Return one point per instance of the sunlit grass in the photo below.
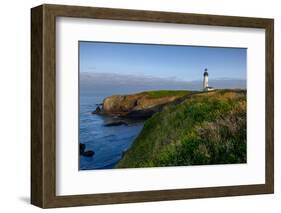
(166, 93)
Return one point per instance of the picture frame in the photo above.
(43, 105)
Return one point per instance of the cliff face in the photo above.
(138, 106)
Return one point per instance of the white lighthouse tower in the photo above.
(205, 81)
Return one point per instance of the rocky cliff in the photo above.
(141, 105)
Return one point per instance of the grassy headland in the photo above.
(206, 128)
(140, 105)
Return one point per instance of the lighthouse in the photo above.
(206, 81)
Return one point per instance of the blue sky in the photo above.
(166, 61)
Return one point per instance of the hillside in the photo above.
(205, 128)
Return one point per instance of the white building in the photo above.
(206, 81)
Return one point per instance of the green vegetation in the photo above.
(207, 128)
(166, 93)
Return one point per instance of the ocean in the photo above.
(108, 142)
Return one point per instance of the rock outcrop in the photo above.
(116, 123)
(83, 152)
(136, 106)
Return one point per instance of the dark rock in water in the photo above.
(97, 111)
(82, 148)
(116, 123)
(88, 153)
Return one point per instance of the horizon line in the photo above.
(174, 78)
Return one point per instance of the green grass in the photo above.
(207, 128)
(166, 93)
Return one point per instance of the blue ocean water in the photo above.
(108, 143)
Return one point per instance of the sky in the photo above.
(177, 62)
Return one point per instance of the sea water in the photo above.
(108, 142)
